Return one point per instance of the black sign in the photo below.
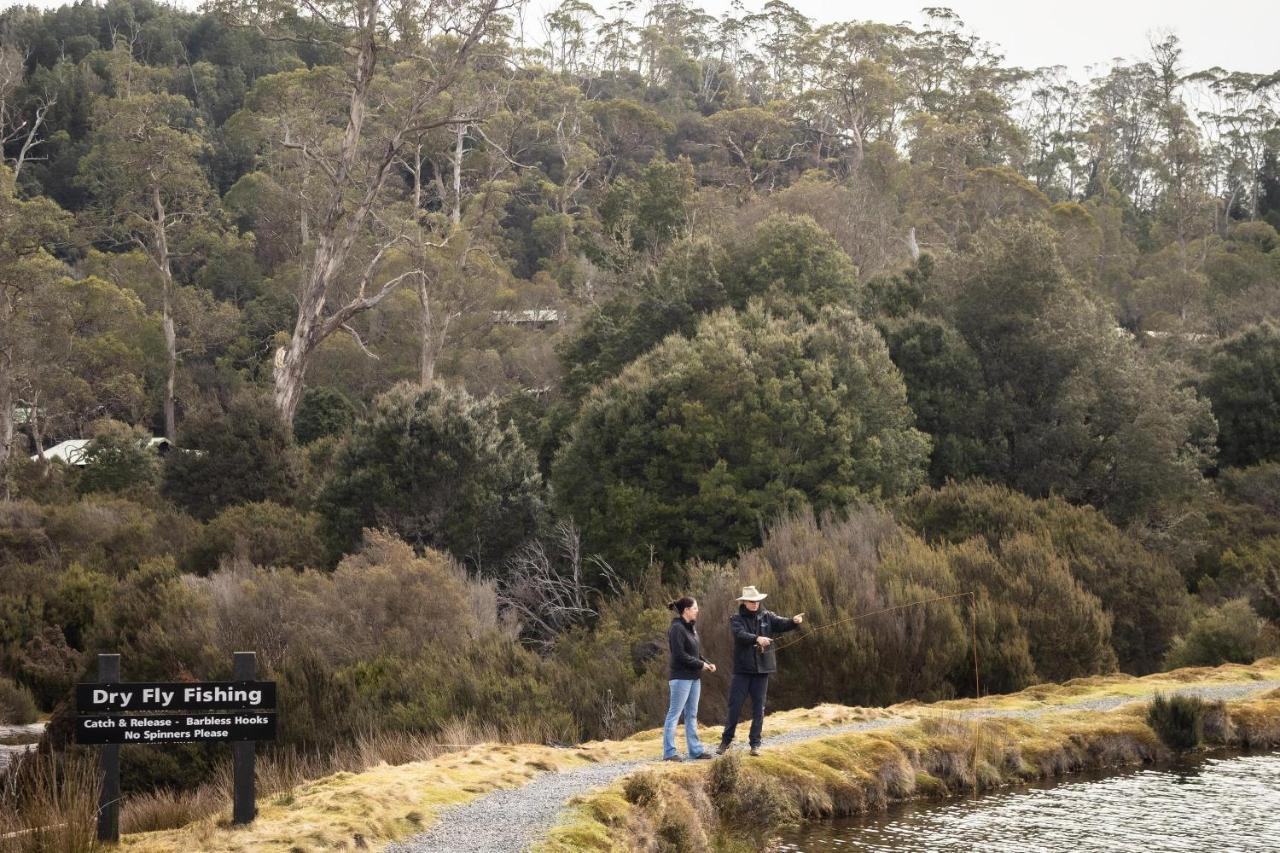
(177, 728)
(151, 696)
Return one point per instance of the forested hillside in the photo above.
(476, 338)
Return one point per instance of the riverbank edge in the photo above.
(738, 802)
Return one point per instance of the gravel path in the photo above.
(511, 820)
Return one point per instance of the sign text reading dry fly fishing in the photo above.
(143, 696)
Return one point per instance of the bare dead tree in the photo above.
(548, 591)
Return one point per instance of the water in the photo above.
(1217, 804)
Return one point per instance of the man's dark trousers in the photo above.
(739, 688)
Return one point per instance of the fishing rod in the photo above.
(973, 612)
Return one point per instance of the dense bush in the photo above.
(1177, 720)
(263, 533)
(1229, 633)
(119, 460)
(439, 469)
(698, 441)
(789, 263)
(322, 412)
(1143, 594)
(230, 457)
(1052, 400)
(1244, 387)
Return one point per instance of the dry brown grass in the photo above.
(49, 804)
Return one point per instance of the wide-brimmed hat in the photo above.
(750, 593)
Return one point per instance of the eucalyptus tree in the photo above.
(27, 230)
(145, 176)
(857, 95)
(366, 121)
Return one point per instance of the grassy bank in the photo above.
(737, 802)
(933, 753)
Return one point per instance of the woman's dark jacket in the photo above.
(686, 649)
(748, 659)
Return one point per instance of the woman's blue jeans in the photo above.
(684, 698)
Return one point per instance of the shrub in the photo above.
(1229, 633)
(263, 533)
(17, 705)
(439, 469)
(118, 459)
(1142, 592)
(1177, 720)
(1244, 389)
(113, 534)
(322, 412)
(228, 458)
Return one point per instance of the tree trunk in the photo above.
(6, 392)
(457, 174)
(34, 420)
(427, 350)
(337, 233)
(161, 249)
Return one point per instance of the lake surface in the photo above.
(1216, 804)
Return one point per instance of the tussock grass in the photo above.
(48, 803)
(1177, 720)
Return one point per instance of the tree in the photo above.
(437, 468)
(145, 176)
(788, 262)
(1073, 407)
(27, 229)
(699, 442)
(432, 42)
(1243, 386)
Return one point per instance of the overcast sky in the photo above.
(1239, 34)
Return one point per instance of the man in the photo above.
(754, 658)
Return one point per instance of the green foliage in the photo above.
(1143, 594)
(1071, 407)
(1177, 720)
(17, 705)
(700, 441)
(262, 533)
(789, 263)
(1244, 388)
(1229, 633)
(322, 412)
(224, 458)
(438, 469)
(648, 213)
(118, 459)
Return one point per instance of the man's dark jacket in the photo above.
(686, 649)
(746, 626)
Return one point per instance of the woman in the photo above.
(687, 666)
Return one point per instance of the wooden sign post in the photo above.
(111, 712)
(109, 758)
